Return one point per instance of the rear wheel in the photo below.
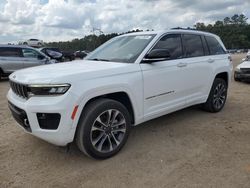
(103, 128)
(217, 96)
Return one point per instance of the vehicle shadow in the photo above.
(143, 133)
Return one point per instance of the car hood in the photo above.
(68, 72)
(245, 64)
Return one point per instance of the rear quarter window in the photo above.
(10, 52)
(214, 46)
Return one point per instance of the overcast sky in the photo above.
(54, 20)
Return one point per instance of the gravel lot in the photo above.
(189, 148)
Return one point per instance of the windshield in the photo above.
(124, 49)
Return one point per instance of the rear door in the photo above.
(10, 59)
(198, 67)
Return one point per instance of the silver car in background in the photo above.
(13, 57)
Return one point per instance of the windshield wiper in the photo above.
(98, 59)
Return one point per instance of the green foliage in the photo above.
(234, 31)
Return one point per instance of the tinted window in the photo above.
(172, 43)
(204, 42)
(29, 53)
(193, 45)
(10, 52)
(214, 46)
(54, 49)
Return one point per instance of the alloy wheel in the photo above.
(219, 97)
(108, 130)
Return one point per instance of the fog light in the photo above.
(48, 120)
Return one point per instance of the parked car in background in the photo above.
(32, 42)
(13, 57)
(53, 53)
(232, 51)
(131, 79)
(81, 54)
(56, 53)
(248, 54)
(242, 71)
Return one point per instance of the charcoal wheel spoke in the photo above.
(94, 142)
(100, 145)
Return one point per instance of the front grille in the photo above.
(19, 89)
(245, 70)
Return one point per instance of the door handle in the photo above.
(181, 64)
(210, 60)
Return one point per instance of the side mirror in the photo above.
(40, 57)
(157, 55)
(244, 59)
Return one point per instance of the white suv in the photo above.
(129, 80)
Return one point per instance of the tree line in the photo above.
(234, 32)
(87, 43)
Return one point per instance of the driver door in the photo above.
(165, 82)
(31, 58)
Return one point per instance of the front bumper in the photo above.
(26, 113)
(242, 76)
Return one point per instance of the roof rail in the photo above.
(181, 28)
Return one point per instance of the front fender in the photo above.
(104, 90)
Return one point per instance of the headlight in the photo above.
(58, 89)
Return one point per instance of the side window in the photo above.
(204, 42)
(10, 52)
(172, 43)
(214, 46)
(29, 53)
(192, 45)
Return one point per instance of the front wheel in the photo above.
(103, 128)
(236, 79)
(217, 96)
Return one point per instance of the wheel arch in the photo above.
(224, 76)
(121, 96)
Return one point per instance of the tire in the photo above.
(25, 43)
(236, 79)
(217, 96)
(1, 74)
(97, 138)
